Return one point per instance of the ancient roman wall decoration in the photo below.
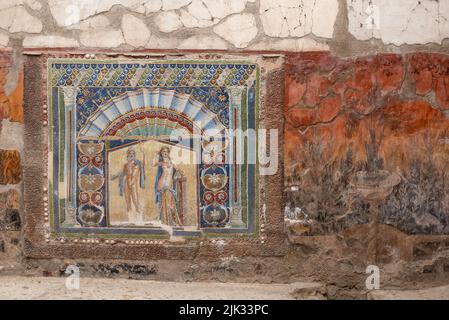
(128, 150)
(367, 141)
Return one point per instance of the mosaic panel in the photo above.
(133, 154)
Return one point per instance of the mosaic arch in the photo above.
(127, 158)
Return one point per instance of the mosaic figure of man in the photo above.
(131, 179)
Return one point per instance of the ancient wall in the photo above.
(366, 156)
(11, 148)
(364, 140)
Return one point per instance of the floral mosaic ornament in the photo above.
(129, 153)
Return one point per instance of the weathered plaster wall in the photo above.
(346, 28)
(377, 119)
(366, 148)
(291, 25)
(11, 143)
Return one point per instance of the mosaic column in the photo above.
(235, 95)
(69, 183)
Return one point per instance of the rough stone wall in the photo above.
(346, 28)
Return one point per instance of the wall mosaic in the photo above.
(129, 151)
(367, 141)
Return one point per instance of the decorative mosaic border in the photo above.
(104, 73)
(126, 75)
(267, 240)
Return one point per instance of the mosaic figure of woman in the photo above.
(167, 188)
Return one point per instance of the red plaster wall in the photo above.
(383, 113)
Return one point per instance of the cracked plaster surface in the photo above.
(399, 22)
(297, 18)
(305, 24)
(17, 19)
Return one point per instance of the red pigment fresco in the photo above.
(377, 123)
(11, 106)
(10, 110)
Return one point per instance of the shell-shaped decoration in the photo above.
(90, 216)
(215, 215)
(90, 182)
(214, 178)
(90, 148)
